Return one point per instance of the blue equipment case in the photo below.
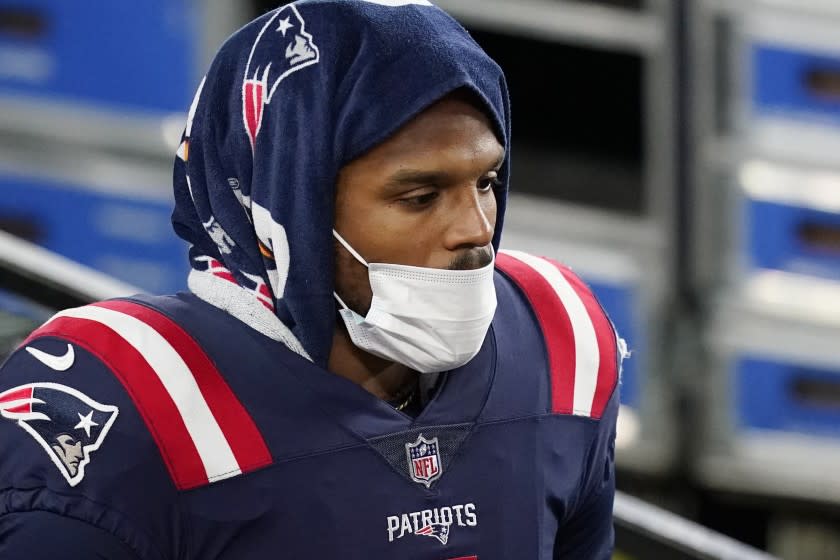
(122, 55)
(785, 396)
(788, 219)
(114, 222)
(787, 74)
(795, 83)
(772, 422)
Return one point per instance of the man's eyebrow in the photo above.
(500, 161)
(416, 177)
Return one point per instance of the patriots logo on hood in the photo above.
(253, 283)
(68, 424)
(282, 48)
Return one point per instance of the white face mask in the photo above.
(428, 319)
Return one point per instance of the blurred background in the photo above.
(682, 155)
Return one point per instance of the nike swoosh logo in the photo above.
(58, 363)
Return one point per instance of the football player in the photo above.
(356, 370)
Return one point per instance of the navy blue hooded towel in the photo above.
(289, 99)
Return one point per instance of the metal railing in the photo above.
(51, 280)
(644, 531)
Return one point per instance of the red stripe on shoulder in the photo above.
(246, 441)
(607, 343)
(555, 325)
(142, 384)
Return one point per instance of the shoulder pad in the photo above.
(580, 341)
(202, 430)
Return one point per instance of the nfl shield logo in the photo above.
(424, 464)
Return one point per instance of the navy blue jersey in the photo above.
(164, 428)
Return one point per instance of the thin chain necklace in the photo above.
(410, 397)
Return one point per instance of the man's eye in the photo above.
(489, 183)
(420, 201)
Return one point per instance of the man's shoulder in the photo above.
(120, 387)
(551, 322)
(85, 426)
(116, 413)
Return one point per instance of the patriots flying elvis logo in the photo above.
(440, 531)
(68, 424)
(282, 48)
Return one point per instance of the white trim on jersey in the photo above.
(207, 436)
(587, 355)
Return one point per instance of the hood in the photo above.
(289, 99)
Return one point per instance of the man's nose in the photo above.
(473, 220)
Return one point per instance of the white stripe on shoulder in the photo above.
(587, 356)
(176, 377)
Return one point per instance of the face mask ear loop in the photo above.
(340, 301)
(350, 249)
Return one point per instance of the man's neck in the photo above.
(382, 378)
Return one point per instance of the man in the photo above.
(354, 373)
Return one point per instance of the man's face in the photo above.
(424, 197)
